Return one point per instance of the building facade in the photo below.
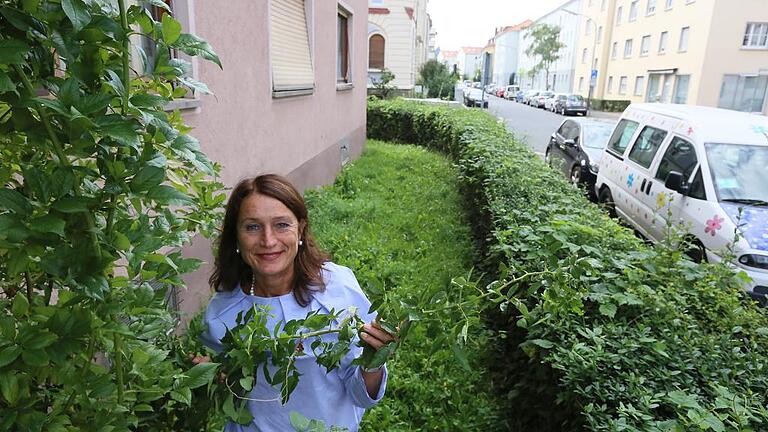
(561, 71)
(703, 52)
(449, 59)
(290, 101)
(398, 40)
(507, 41)
(470, 61)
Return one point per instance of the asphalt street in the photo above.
(531, 125)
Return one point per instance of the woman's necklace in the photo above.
(253, 284)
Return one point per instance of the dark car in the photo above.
(476, 97)
(571, 104)
(519, 96)
(576, 148)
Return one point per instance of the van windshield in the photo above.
(738, 172)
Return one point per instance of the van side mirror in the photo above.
(676, 183)
(569, 142)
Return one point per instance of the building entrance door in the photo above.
(653, 88)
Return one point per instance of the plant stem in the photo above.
(118, 341)
(126, 55)
(28, 282)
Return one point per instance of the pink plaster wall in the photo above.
(247, 131)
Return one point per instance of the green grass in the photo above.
(396, 215)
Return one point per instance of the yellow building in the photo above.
(702, 52)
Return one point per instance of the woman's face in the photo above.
(268, 236)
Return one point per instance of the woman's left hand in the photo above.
(375, 336)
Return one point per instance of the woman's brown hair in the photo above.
(229, 267)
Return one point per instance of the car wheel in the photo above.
(548, 156)
(606, 199)
(576, 175)
(695, 250)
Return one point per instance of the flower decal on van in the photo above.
(661, 200)
(630, 180)
(713, 225)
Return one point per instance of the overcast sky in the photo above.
(471, 22)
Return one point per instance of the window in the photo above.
(645, 45)
(618, 15)
(289, 49)
(623, 85)
(683, 45)
(603, 4)
(609, 86)
(621, 136)
(584, 55)
(681, 89)
(663, 42)
(599, 34)
(646, 145)
(680, 156)
(588, 27)
(376, 45)
(639, 85)
(628, 48)
(650, 8)
(581, 83)
(668, 5)
(569, 130)
(743, 92)
(696, 189)
(633, 10)
(756, 36)
(614, 49)
(342, 52)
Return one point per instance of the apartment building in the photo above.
(703, 52)
(450, 59)
(469, 61)
(398, 40)
(562, 71)
(506, 53)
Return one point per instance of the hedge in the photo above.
(609, 105)
(603, 332)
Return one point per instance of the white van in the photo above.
(706, 167)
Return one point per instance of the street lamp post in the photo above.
(592, 65)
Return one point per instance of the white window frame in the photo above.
(685, 36)
(584, 55)
(628, 48)
(668, 4)
(588, 27)
(663, 39)
(614, 50)
(346, 11)
(280, 91)
(754, 32)
(623, 85)
(581, 83)
(633, 10)
(645, 45)
(603, 5)
(619, 11)
(650, 7)
(640, 79)
(609, 85)
(599, 34)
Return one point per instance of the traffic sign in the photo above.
(594, 74)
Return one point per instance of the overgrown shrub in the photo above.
(605, 333)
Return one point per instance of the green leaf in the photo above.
(77, 12)
(146, 178)
(73, 204)
(14, 201)
(48, 224)
(146, 100)
(6, 84)
(200, 375)
(608, 309)
(20, 305)
(171, 29)
(298, 421)
(12, 51)
(195, 85)
(9, 354)
(168, 195)
(35, 358)
(183, 395)
(122, 130)
(9, 387)
(543, 343)
(40, 340)
(194, 46)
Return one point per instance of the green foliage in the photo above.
(609, 105)
(100, 188)
(603, 332)
(546, 45)
(435, 76)
(382, 84)
(395, 217)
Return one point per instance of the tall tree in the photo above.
(435, 76)
(546, 46)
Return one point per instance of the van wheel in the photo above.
(548, 157)
(576, 175)
(695, 250)
(606, 199)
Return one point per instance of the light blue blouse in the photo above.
(337, 398)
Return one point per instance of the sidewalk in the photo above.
(604, 115)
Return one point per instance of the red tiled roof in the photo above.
(517, 27)
(471, 50)
(378, 11)
(409, 11)
(447, 53)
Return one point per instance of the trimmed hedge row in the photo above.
(609, 105)
(601, 332)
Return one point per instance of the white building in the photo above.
(470, 60)
(562, 71)
(505, 67)
(449, 59)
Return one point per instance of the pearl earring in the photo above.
(237, 249)
(301, 242)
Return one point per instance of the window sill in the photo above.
(344, 86)
(754, 48)
(650, 13)
(183, 104)
(291, 93)
(644, 55)
(662, 52)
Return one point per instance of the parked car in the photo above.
(572, 104)
(528, 95)
(510, 91)
(476, 97)
(704, 167)
(576, 148)
(519, 96)
(500, 92)
(549, 103)
(538, 100)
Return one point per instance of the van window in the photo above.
(621, 136)
(569, 130)
(680, 156)
(696, 190)
(646, 145)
